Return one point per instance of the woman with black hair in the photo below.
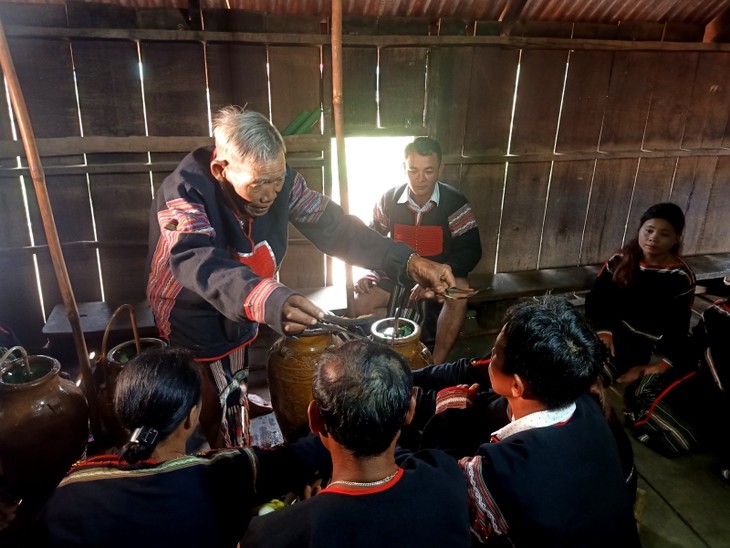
(641, 303)
(153, 494)
(641, 306)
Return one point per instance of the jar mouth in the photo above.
(16, 374)
(385, 330)
(122, 353)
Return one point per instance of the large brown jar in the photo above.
(289, 371)
(44, 425)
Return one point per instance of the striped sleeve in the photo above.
(305, 205)
(462, 221)
(487, 520)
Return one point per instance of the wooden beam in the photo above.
(64, 146)
(358, 40)
(718, 30)
(510, 15)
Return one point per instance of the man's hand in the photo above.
(639, 371)
(364, 285)
(607, 339)
(298, 314)
(434, 278)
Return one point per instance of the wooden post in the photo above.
(49, 225)
(337, 104)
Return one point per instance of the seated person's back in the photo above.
(551, 476)
(362, 397)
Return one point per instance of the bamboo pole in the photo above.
(49, 225)
(337, 104)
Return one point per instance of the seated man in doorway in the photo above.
(436, 220)
(362, 397)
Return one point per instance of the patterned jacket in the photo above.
(212, 275)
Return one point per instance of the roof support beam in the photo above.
(510, 15)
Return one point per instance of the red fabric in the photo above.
(428, 241)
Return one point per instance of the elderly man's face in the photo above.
(257, 184)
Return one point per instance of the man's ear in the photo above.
(411, 406)
(517, 387)
(216, 168)
(316, 423)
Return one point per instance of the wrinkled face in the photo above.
(656, 238)
(423, 173)
(257, 184)
(501, 382)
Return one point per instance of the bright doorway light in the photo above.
(374, 164)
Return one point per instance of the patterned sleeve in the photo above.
(466, 248)
(343, 236)
(487, 520)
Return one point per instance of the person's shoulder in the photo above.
(452, 192)
(430, 461)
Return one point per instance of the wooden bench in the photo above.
(503, 288)
(499, 291)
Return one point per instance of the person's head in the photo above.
(546, 352)
(657, 241)
(423, 167)
(155, 392)
(660, 230)
(361, 396)
(249, 157)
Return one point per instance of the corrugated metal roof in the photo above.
(694, 12)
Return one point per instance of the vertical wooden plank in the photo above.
(613, 183)
(69, 197)
(629, 96)
(237, 76)
(20, 306)
(359, 87)
(537, 105)
(584, 101)
(483, 185)
(295, 82)
(402, 87)
(691, 191)
(174, 88)
(45, 73)
(110, 94)
(567, 205)
(19, 301)
(707, 118)
(522, 216)
(110, 101)
(448, 84)
(121, 204)
(717, 221)
(653, 185)
(672, 81)
(491, 94)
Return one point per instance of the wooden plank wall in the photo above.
(558, 145)
(596, 137)
(102, 211)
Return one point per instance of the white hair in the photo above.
(246, 136)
